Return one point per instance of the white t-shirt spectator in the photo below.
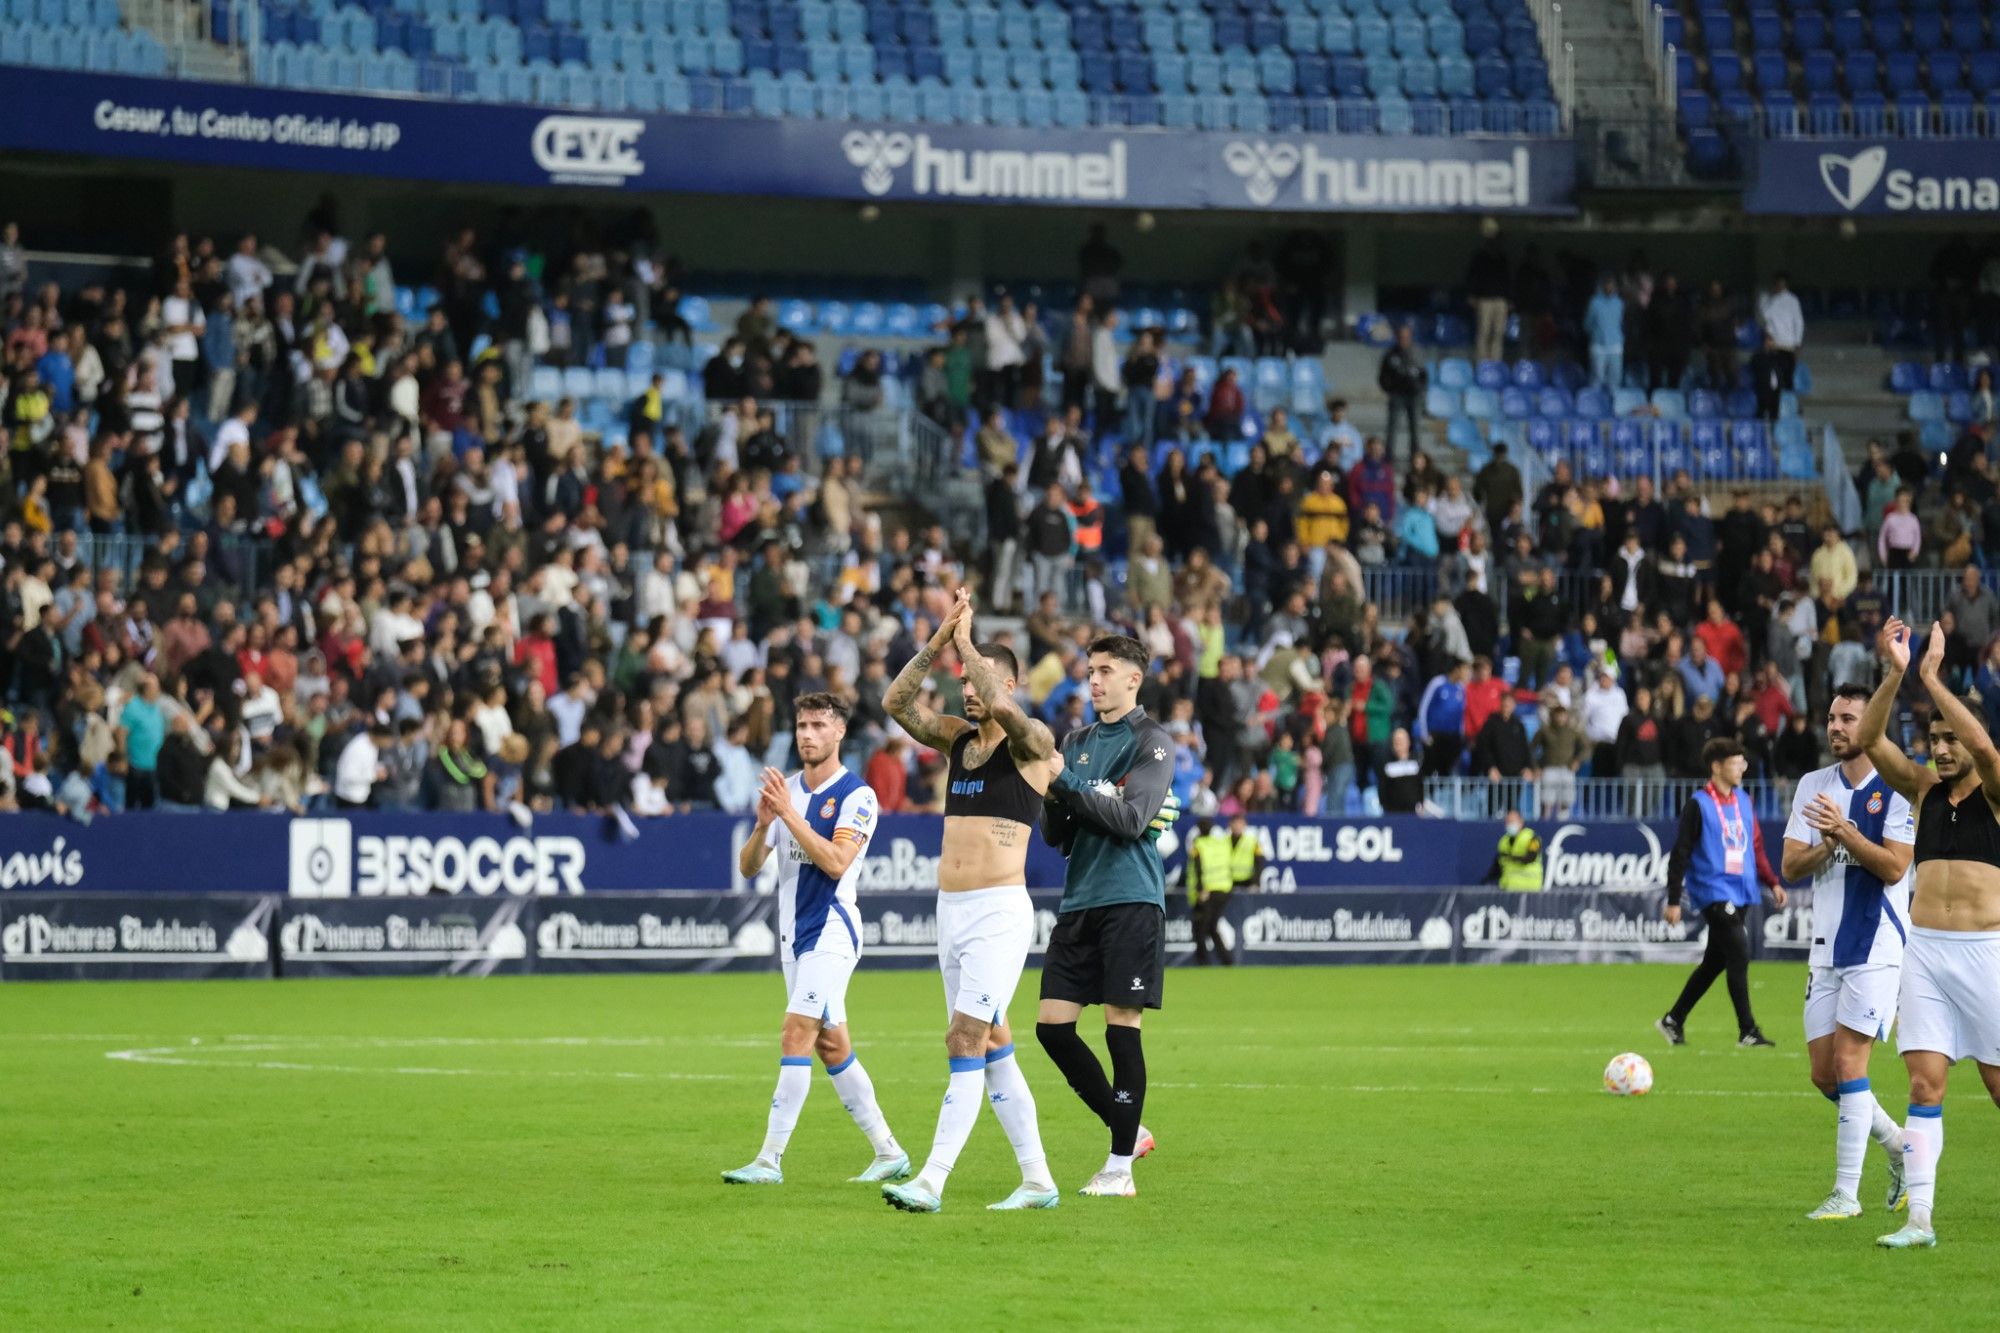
(1604, 709)
(354, 772)
(232, 431)
(1783, 319)
(649, 796)
(248, 277)
(261, 713)
(175, 310)
(618, 317)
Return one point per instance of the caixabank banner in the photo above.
(287, 129)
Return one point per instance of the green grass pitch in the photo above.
(1339, 1148)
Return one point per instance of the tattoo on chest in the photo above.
(977, 754)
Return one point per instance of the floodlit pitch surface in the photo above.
(1357, 1147)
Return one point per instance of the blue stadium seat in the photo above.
(1481, 403)
(1454, 373)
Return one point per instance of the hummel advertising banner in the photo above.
(1912, 178)
(290, 130)
(566, 857)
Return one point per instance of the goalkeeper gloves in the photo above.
(1170, 812)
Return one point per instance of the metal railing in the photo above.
(243, 565)
(1919, 596)
(1661, 55)
(1559, 54)
(1648, 798)
(1868, 122)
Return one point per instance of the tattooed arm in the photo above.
(1027, 739)
(927, 726)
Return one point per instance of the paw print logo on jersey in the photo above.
(812, 997)
(878, 154)
(1159, 753)
(1263, 166)
(1138, 983)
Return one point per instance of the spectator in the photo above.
(1558, 754)
(1670, 335)
(1901, 539)
(1604, 327)
(1488, 283)
(1051, 543)
(1723, 641)
(1502, 749)
(1402, 378)
(1604, 711)
(1441, 719)
(1974, 612)
(1498, 489)
(1768, 371)
(1401, 789)
(183, 768)
(1716, 319)
(1833, 563)
(1784, 323)
(1003, 536)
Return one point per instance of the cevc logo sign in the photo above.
(1850, 180)
(588, 150)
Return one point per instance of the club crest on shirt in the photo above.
(1875, 803)
(826, 811)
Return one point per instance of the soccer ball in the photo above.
(1628, 1075)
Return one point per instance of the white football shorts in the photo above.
(1861, 999)
(983, 941)
(816, 986)
(1951, 994)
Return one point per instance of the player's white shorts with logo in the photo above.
(983, 941)
(1862, 999)
(816, 986)
(1951, 994)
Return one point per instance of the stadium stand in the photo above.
(1421, 66)
(1912, 71)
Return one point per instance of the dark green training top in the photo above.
(1115, 778)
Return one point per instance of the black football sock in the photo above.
(1079, 1065)
(1128, 1087)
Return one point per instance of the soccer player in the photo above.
(1001, 760)
(819, 822)
(1950, 1002)
(1718, 859)
(1853, 837)
(1109, 945)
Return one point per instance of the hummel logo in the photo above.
(878, 155)
(1263, 167)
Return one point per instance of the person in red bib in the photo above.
(1718, 864)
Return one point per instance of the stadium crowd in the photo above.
(374, 573)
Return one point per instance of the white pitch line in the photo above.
(179, 1056)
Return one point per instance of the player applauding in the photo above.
(1000, 763)
(1950, 1002)
(819, 822)
(1853, 836)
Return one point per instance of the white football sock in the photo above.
(1887, 1133)
(1007, 1091)
(1923, 1144)
(1116, 1163)
(857, 1095)
(956, 1117)
(794, 1082)
(1857, 1104)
